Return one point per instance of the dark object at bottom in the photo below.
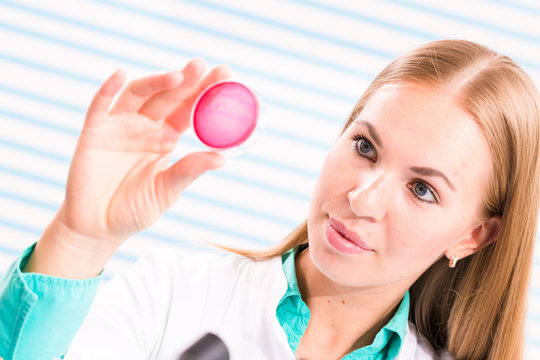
(209, 347)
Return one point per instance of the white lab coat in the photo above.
(170, 299)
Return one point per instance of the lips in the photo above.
(347, 234)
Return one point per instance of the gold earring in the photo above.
(453, 261)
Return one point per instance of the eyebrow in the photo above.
(372, 131)
(426, 171)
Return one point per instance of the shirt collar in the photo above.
(390, 338)
(289, 268)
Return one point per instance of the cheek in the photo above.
(332, 178)
(415, 235)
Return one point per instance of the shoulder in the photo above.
(165, 281)
(171, 260)
(206, 267)
(178, 258)
(417, 347)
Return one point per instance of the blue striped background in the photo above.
(308, 60)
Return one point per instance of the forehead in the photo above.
(419, 108)
(428, 127)
(421, 112)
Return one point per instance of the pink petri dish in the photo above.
(225, 115)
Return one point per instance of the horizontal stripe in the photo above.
(220, 174)
(240, 209)
(199, 26)
(32, 176)
(35, 151)
(45, 68)
(208, 225)
(185, 219)
(37, 233)
(9, 250)
(122, 255)
(468, 20)
(533, 342)
(79, 46)
(187, 195)
(428, 36)
(359, 16)
(42, 98)
(253, 158)
(97, 83)
(29, 201)
(516, 5)
(38, 122)
(298, 139)
(533, 317)
(22, 227)
(293, 28)
(147, 67)
(49, 101)
(153, 44)
(258, 160)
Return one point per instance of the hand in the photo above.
(120, 180)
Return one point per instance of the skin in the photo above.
(377, 195)
(120, 180)
(122, 162)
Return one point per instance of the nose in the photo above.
(368, 198)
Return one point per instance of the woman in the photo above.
(418, 242)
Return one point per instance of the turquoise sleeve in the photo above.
(40, 314)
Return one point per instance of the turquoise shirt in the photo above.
(32, 305)
(293, 315)
(40, 314)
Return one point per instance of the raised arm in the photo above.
(119, 183)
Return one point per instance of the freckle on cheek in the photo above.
(343, 301)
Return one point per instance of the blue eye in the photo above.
(423, 192)
(365, 148)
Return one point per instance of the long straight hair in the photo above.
(477, 310)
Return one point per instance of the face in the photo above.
(403, 185)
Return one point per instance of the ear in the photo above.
(480, 237)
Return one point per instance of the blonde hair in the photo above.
(477, 310)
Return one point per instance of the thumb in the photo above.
(182, 173)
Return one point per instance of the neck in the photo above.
(346, 316)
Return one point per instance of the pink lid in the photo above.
(225, 115)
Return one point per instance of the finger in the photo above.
(101, 102)
(136, 93)
(180, 117)
(182, 173)
(164, 103)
